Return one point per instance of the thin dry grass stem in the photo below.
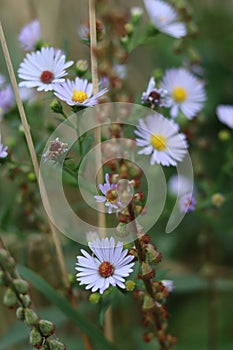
(32, 152)
(108, 327)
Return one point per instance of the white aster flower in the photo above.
(3, 149)
(225, 115)
(154, 96)
(43, 68)
(160, 138)
(30, 35)
(110, 196)
(109, 265)
(78, 92)
(164, 17)
(185, 92)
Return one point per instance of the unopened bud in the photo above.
(129, 285)
(35, 338)
(154, 257)
(56, 345)
(46, 328)
(10, 298)
(94, 298)
(20, 314)
(147, 271)
(3, 255)
(20, 285)
(136, 13)
(224, 135)
(31, 317)
(32, 177)
(26, 300)
(129, 28)
(81, 67)
(56, 106)
(217, 200)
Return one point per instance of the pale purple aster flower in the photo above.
(165, 18)
(159, 137)
(108, 265)
(185, 92)
(3, 150)
(110, 196)
(43, 68)
(7, 100)
(225, 115)
(169, 284)
(30, 35)
(187, 203)
(154, 96)
(78, 92)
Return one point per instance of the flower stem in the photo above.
(108, 329)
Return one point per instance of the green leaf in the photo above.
(93, 333)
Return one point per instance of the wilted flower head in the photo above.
(185, 92)
(30, 35)
(3, 149)
(225, 115)
(153, 96)
(165, 18)
(78, 92)
(43, 68)
(160, 138)
(108, 265)
(56, 151)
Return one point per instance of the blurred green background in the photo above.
(199, 254)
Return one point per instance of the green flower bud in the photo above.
(3, 255)
(20, 314)
(47, 328)
(26, 300)
(31, 177)
(81, 67)
(21, 129)
(10, 298)
(224, 135)
(94, 298)
(31, 317)
(35, 338)
(56, 345)
(136, 14)
(20, 285)
(129, 285)
(56, 106)
(129, 28)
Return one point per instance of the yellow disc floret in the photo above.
(79, 96)
(158, 142)
(179, 94)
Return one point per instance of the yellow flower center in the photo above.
(79, 96)
(179, 94)
(158, 142)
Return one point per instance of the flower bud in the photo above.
(154, 257)
(56, 106)
(35, 338)
(20, 285)
(56, 345)
(129, 285)
(224, 135)
(148, 303)
(81, 67)
(10, 298)
(20, 314)
(94, 298)
(129, 28)
(31, 317)
(46, 328)
(31, 177)
(26, 300)
(217, 199)
(3, 255)
(136, 14)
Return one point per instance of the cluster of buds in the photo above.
(17, 297)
